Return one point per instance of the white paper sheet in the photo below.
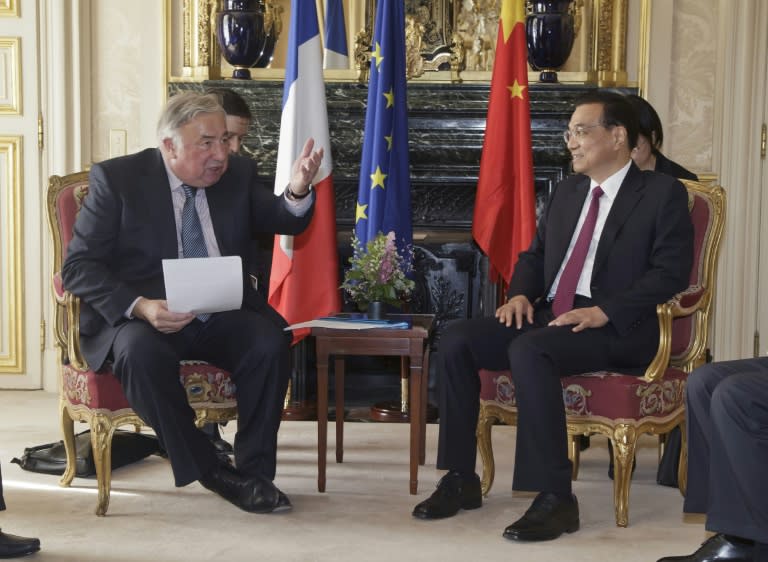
(200, 285)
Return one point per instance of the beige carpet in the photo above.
(364, 515)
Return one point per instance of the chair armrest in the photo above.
(59, 312)
(76, 358)
(686, 303)
(67, 323)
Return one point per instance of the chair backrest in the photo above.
(64, 200)
(65, 197)
(690, 333)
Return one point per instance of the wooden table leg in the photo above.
(322, 413)
(416, 418)
(338, 380)
(424, 402)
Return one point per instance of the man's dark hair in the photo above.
(617, 111)
(232, 102)
(648, 119)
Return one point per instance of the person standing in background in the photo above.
(647, 154)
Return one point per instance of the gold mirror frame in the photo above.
(440, 44)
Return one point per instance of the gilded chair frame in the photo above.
(102, 422)
(695, 302)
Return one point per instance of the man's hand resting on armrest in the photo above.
(156, 313)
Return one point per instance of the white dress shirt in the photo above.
(610, 190)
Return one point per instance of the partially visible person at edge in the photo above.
(189, 197)
(238, 119)
(726, 408)
(613, 242)
(14, 546)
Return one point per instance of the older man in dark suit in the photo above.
(13, 546)
(188, 198)
(612, 244)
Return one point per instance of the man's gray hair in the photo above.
(182, 108)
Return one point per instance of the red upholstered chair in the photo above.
(97, 397)
(622, 406)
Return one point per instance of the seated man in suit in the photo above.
(612, 243)
(188, 198)
(727, 425)
(13, 546)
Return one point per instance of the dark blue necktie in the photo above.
(192, 240)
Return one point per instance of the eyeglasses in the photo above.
(579, 132)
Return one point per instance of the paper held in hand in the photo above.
(201, 285)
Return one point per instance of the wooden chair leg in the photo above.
(574, 453)
(102, 431)
(624, 441)
(68, 431)
(483, 433)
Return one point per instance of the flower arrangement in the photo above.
(378, 272)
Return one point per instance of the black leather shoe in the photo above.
(283, 503)
(250, 493)
(548, 517)
(454, 492)
(222, 447)
(12, 546)
(715, 548)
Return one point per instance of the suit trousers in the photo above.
(727, 424)
(537, 356)
(252, 346)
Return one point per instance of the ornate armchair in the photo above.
(97, 397)
(622, 406)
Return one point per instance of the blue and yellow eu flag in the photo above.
(384, 194)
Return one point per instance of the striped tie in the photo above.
(192, 240)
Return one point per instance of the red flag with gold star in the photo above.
(505, 209)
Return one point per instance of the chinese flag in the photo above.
(505, 212)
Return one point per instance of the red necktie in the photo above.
(566, 289)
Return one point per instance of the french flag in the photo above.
(336, 52)
(304, 282)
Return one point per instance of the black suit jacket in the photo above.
(644, 255)
(127, 227)
(672, 168)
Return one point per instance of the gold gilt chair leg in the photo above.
(68, 430)
(102, 431)
(682, 469)
(574, 453)
(484, 424)
(624, 440)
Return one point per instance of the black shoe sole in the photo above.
(473, 504)
(525, 536)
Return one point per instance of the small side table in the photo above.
(410, 344)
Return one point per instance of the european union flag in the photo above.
(384, 194)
